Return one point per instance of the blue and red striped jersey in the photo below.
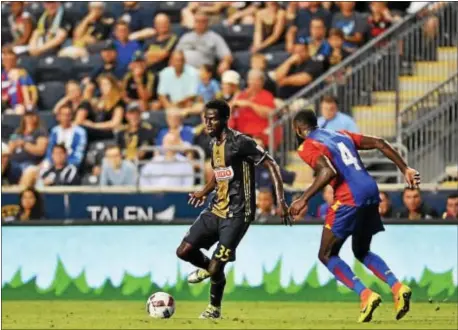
(353, 184)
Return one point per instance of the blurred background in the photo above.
(102, 101)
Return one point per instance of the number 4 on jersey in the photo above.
(347, 157)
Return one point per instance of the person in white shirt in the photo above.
(170, 169)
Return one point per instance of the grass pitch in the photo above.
(237, 315)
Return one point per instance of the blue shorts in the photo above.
(346, 220)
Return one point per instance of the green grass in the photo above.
(237, 315)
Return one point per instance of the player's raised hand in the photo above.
(284, 215)
(197, 199)
(412, 177)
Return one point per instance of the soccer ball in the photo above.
(160, 305)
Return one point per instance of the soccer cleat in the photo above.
(198, 276)
(211, 312)
(402, 301)
(369, 303)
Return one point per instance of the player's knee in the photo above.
(183, 251)
(360, 253)
(324, 256)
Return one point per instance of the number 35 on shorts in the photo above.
(222, 253)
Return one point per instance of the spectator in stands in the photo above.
(319, 48)
(296, 72)
(53, 28)
(61, 172)
(331, 118)
(110, 66)
(203, 46)
(125, 48)
(338, 53)
(301, 25)
(242, 12)
(259, 62)
(139, 84)
(72, 137)
(207, 87)
(328, 196)
(94, 27)
(265, 208)
(451, 209)
(27, 147)
(135, 134)
(30, 205)
(177, 83)
(252, 107)
(384, 208)
(20, 23)
(380, 18)
(115, 170)
(213, 9)
(269, 26)
(19, 93)
(74, 100)
(230, 86)
(134, 16)
(175, 126)
(159, 47)
(414, 207)
(7, 177)
(108, 113)
(170, 169)
(351, 23)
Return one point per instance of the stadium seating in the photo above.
(84, 66)
(172, 9)
(51, 68)
(50, 93)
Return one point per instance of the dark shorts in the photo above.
(346, 220)
(209, 229)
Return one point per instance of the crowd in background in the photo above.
(97, 84)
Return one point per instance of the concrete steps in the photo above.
(447, 54)
(436, 69)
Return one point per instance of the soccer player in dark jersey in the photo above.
(335, 159)
(229, 214)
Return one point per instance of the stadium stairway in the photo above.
(379, 118)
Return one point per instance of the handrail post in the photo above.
(397, 66)
(271, 135)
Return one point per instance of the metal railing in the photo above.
(429, 129)
(376, 83)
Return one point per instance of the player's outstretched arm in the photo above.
(198, 198)
(411, 175)
(275, 175)
(325, 172)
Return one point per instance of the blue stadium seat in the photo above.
(274, 59)
(6, 35)
(49, 93)
(51, 68)
(29, 63)
(178, 29)
(242, 62)
(48, 119)
(157, 118)
(114, 8)
(238, 37)
(84, 66)
(9, 125)
(95, 152)
(97, 47)
(76, 9)
(172, 9)
(35, 8)
(5, 13)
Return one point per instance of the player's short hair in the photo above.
(224, 111)
(307, 117)
(452, 196)
(60, 146)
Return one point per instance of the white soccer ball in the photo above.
(160, 305)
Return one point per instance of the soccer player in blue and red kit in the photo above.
(335, 159)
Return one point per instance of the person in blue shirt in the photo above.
(331, 118)
(175, 124)
(319, 48)
(208, 87)
(125, 48)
